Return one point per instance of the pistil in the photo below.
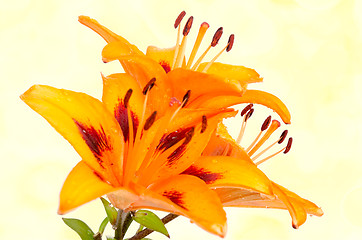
(203, 27)
(214, 42)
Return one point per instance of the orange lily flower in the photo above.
(137, 158)
(212, 84)
(222, 144)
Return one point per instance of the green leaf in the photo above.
(151, 221)
(111, 211)
(80, 227)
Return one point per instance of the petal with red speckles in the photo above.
(86, 123)
(183, 195)
(222, 171)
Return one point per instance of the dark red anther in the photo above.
(249, 114)
(230, 42)
(266, 123)
(283, 136)
(216, 37)
(179, 19)
(186, 98)
(149, 86)
(188, 26)
(189, 136)
(246, 109)
(204, 124)
(127, 97)
(289, 145)
(150, 120)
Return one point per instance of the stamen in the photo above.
(279, 141)
(285, 149)
(230, 43)
(214, 41)
(179, 19)
(188, 26)
(264, 126)
(216, 37)
(177, 24)
(181, 51)
(283, 136)
(189, 135)
(266, 123)
(149, 86)
(127, 97)
(150, 120)
(274, 125)
(231, 38)
(247, 112)
(204, 26)
(204, 124)
(186, 98)
(246, 109)
(289, 145)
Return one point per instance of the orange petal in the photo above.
(222, 144)
(107, 34)
(297, 206)
(180, 157)
(143, 69)
(310, 207)
(222, 171)
(248, 96)
(115, 88)
(85, 123)
(243, 74)
(164, 56)
(81, 186)
(187, 117)
(187, 196)
(182, 80)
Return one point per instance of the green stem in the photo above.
(147, 231)
(124, 220)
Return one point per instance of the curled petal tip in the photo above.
(220, 229)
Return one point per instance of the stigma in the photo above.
(181, 41)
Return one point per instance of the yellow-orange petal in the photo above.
(221, 143)
(164, 56)
(309, 207)
(248, 96)
(222, 171)
(107, 34)
(86, 123)
(243, 74)
(296, 211)
(187, 196)
(82, 185)
(200, 84)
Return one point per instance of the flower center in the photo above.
(178, 61)
(268, 127)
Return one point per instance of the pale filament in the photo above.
(285, 149)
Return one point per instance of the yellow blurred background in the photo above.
(308, 51)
